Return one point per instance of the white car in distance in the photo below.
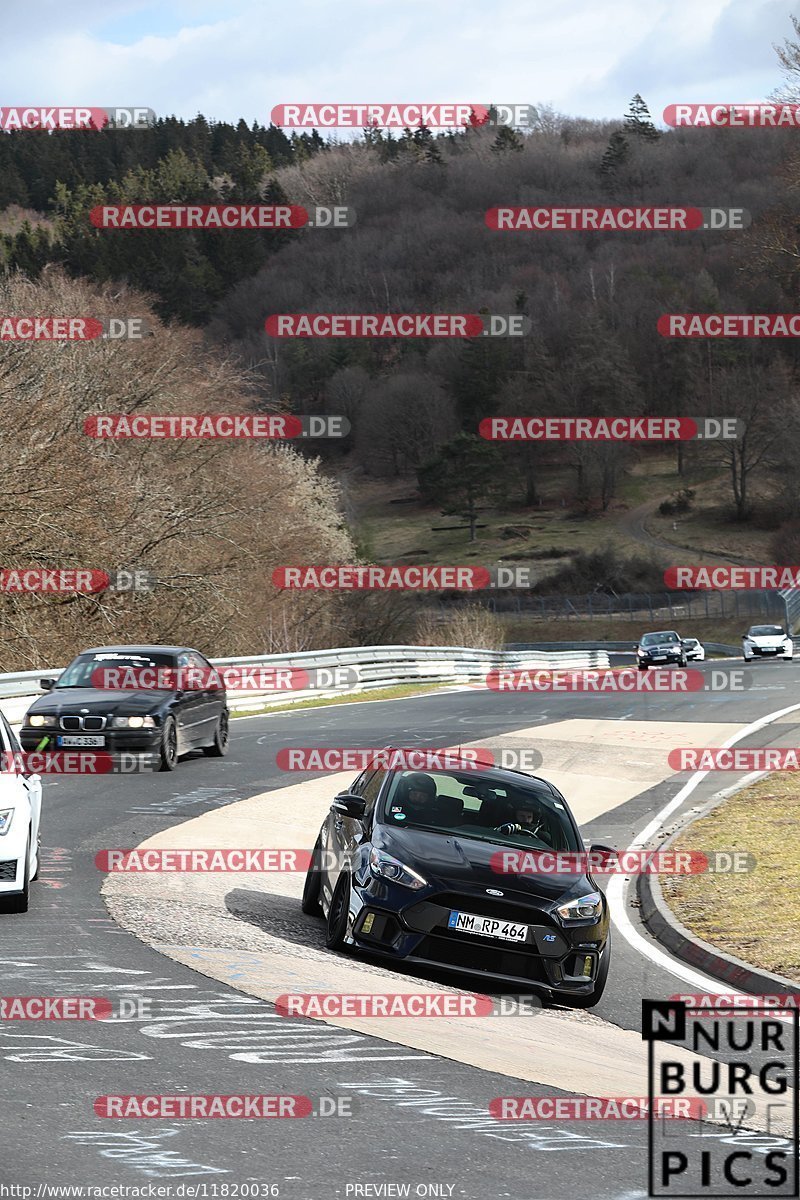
(766, 641)
(695, 650)
(20, 814)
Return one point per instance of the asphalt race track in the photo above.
(416, 1118)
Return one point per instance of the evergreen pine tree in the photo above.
(639, 122)
(507, 140)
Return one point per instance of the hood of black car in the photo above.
(98, 701)
(448, 860)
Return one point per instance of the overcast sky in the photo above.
(238, 58)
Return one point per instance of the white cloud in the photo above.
(584, 58)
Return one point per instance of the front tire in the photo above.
(169, 746)
(219, 746)
(338, 914)
(311, 889)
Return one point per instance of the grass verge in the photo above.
(752, 916)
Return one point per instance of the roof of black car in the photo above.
(500, 774)
(136, 649)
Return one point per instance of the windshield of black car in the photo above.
(651, 639)
(465, 802)
(79, 672)
(766, 631)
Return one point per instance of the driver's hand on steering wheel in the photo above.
(513, 827)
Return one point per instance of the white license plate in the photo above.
(659, 658)
(507, 931)
(81, 739)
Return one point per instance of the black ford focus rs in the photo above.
(158, 700)
(432, 868)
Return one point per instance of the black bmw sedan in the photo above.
(413, 866)
(161, 700)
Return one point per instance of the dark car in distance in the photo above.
(186, 709)
(406, 866)
(661, 648)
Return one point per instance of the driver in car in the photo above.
(415, 796)
(525, 821)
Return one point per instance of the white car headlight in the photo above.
(6, 816)
(39, 720)
(386, 867)
(133, 723)
(582, 907)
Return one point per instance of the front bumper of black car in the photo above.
(552, 958)
(115, 741)
(663, 659)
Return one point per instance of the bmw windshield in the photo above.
(80, 671)
(473, 805)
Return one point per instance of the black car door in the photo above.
(189, 708)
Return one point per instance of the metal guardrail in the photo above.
(374, 667)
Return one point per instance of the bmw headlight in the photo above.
(386, 867)
(6, 815)
(40, 720)
(133, 723)
(582, 908)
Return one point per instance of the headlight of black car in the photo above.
(386, 867)
(582, 908)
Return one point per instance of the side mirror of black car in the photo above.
(599, 848)
(47, 684)
(349, 805)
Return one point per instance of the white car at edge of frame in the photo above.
(20, 815)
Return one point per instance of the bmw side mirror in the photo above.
(349, 805)
(47, 684)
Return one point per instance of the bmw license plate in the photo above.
(507, 931)
(81, 739)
